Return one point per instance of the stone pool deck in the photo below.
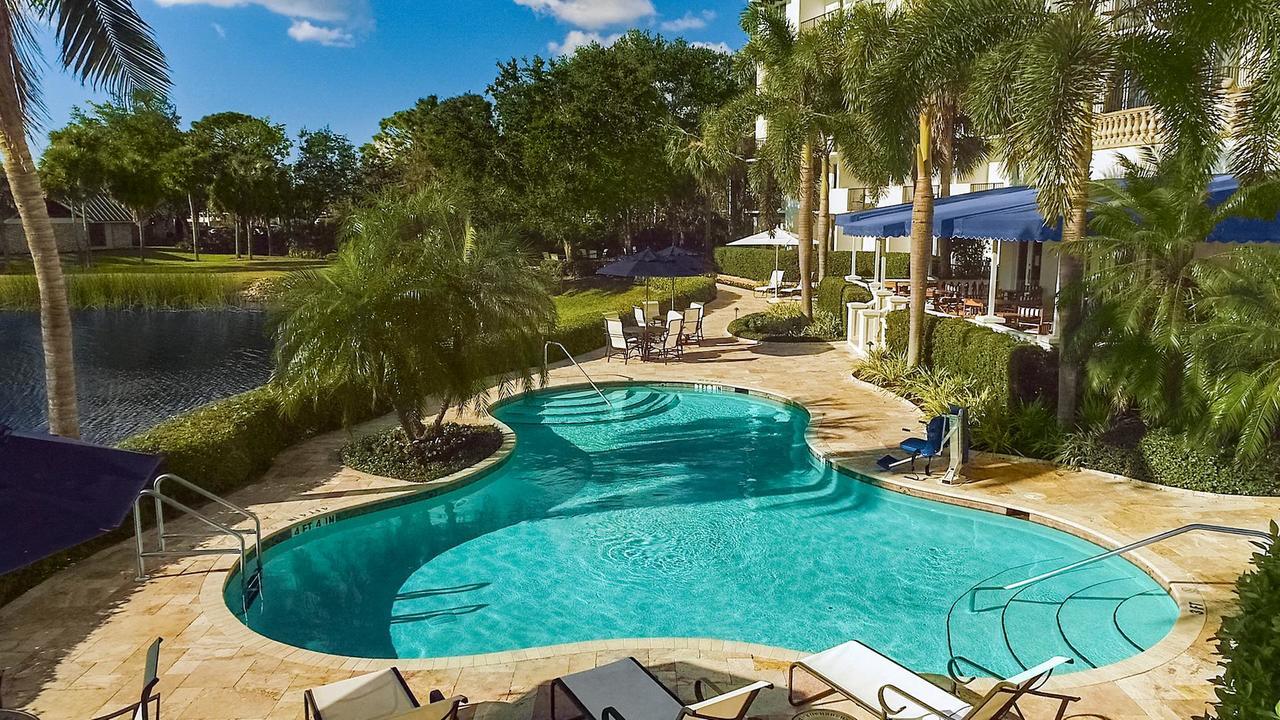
(74, 646)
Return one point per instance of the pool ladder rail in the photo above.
(1159, 537)
(250, 579)
(546, 350)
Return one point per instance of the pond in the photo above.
(135, 368)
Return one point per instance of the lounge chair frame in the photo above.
(311, 710)
(686, 711)
(142, 710)
(886, 712)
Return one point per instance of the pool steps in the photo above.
(1062, 615)
(584, 408)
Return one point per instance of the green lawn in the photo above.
(590, 298)
(169, 260)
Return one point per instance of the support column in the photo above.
(991, 318)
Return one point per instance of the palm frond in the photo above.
(107, 44)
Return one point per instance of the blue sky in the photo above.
(349, 63)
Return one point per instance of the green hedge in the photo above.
(757, 263)
(834, 292)
(1019, 372)
(1175, 460)
(897, 265)
(1249, 642)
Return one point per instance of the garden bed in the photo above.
(785, 323)
(457, 447)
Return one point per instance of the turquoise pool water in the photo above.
(684, 513)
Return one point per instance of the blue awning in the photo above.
(1012, 214)
(56, 493)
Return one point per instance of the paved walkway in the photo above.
(76, 643)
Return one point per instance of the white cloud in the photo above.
(577, 38)
(593, 14)
(340, 20)
(720, 47)
(689, 21)
(306, 31)
(222, 32)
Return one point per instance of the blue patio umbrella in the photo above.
(670, 262)
(56, 493)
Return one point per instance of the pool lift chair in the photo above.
(946, 432)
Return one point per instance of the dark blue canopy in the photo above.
(648, 264)
(1012, 214)
(56, 493)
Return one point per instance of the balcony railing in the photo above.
(1126, 128)
(814, 22)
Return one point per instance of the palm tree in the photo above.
(108, 45)
(417, 305)
(791, 96)
(707, 162)
(910, 93)
(1237, 351)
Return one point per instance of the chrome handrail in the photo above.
(242, 546)
(546, 349)
(1203, 527)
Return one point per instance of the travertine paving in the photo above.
(75, 644)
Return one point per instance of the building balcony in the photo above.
(1131, 127)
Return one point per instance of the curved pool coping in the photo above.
(1186, 629)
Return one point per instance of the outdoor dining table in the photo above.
(644, 332)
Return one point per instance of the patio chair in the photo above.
(638, 313)
(1029, 317)
(619, 343)
(652, 310)
(148, 706)
(376, 696)
(693, 322)
(883, 686)
(626, 690)
(773, 286)
(668, 345)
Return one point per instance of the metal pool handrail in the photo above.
(1203, 527)
(546, 349)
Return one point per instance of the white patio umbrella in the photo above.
(778, 238)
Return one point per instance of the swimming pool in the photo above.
(687, 513)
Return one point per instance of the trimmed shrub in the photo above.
(1017, 372)
(757, 263)
(896, 264)
(1249, 642)
(1167, 458)
(834, 292)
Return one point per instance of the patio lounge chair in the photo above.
(626, 690)
(148, 707)
(882, 686)
(619, 343)
(702, 312)
(376, 696)
(773, 286)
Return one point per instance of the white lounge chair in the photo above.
(702, 312)
(377, 696)
(626, 690)
(774, 285)
(619, 342)
(885, 687)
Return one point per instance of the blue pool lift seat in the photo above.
(927, 447)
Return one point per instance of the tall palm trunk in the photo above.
(1070, 273)
(823, 228)
(709, 209)
(804, 227)
(921, 237)
(946, 167)
(195, 227)
(28, 196)
(235, 220)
